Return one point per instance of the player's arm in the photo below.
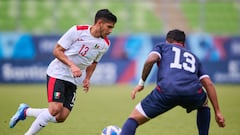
(89, 71)
(208, 85)
(58, 52)
(152, 58)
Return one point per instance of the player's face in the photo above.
(106, 28)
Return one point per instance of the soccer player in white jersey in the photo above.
(78, 50)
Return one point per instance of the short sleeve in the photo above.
(201, 72)
(68, 38)
(157, 50)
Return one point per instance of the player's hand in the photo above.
(76, 72)
(86, 85)
(220, 120)
(138, 88)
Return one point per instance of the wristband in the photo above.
(141, 82)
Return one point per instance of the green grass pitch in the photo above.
(111, 105)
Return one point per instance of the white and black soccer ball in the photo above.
(111, 130)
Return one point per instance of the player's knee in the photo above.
(205, 107)
(62, 116)
(55, 108)
(140, 118)
(55, 111)
(205, 104)
(60, 120)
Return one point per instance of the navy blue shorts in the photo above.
(157, 102)
(61, 91)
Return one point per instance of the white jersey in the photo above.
(81, 48)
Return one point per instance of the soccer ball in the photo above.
(111, 130)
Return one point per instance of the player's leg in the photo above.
(198, 102)
(44, 117)
(203, 119)
(61, 98)
(56, 112)
(150, 107)
(48, 115)
(34, 112)
(59, 112)
(24, 111)
(40, 122)
(136, 118)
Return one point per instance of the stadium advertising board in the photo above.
(24, 58)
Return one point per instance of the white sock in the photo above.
(41, 121)
(34, 112)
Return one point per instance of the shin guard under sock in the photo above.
(129, 127)
(203, 120)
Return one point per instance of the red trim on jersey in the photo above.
(82, 27)
(200, 91)
(107, 40)
(50, 86)
(158, 88)
(178, 44)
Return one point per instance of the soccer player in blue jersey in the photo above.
(181, 81)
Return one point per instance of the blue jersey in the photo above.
(179, 70)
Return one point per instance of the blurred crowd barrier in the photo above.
(24, 57)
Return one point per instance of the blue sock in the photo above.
(129, 127)
(203, 120)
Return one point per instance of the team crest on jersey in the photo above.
(57, 95)
(97, 46)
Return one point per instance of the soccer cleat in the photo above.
(19, 115)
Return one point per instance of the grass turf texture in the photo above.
(111, 105)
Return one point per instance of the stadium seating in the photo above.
(138, 16)
(218, 17)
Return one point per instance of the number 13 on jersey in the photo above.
(189, 60)
(83, 51)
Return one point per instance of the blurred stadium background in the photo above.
(29, 29)
(220, 17)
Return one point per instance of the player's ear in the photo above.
(100, 21)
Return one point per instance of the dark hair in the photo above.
(176, 35)
(105, 14)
